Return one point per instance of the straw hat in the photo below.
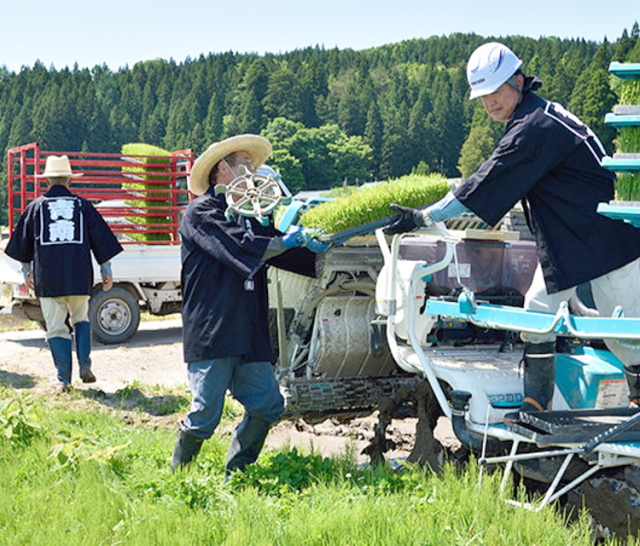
(57, 167)
(256, 146)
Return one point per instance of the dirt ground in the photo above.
(154, 357)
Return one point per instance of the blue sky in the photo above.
(123, 32)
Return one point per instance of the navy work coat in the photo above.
(224, 283)
(58, 232)
(550, 160)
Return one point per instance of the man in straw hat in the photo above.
(54, 240)
(225, 304)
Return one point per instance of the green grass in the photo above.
(372, 202)
(85, 474)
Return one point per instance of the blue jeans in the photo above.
(253, 384)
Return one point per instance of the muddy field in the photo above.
(154, 357)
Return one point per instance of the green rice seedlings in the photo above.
(155, 198)
(371, 203)
(630, 92)
(628, 187)
(628, 141)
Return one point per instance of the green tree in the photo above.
(21, 131)
(592, 98)
(213, 123)
(314, 89)
(561, 85)
(373, 136)
(283, 97)
(247, 112)
(290, 169)
(448, 109)
(56, 123)
(475, 150)
(323, 156)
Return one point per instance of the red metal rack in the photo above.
(140, 197)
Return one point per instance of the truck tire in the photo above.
(114, 315)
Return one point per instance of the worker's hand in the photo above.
(31, 285)
(408, 219)
(107, 282)
(316, 246)
(298, 236)
(293, 238)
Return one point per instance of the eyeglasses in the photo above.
(237, 159)
(246, 161)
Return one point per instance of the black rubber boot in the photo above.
(632, 374)
(82, 333)
(247, 443)
(61, 351)
(539, 378)
(186, 449)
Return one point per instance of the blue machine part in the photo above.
(520, 320)
(625, 71)
(293, 211)
(616, 120)
(580, 376)
(629, 212)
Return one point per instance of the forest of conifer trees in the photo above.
(330, 114)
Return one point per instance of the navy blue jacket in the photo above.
(550, 160)
(58, 232)
(224, 283)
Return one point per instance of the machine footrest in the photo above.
(575, 426)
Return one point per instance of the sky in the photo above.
(120, 33)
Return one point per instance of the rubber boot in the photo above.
(61, 351)
(539, 378)
(632, 374)
(82, 333)
(246, 444)
(186, 449)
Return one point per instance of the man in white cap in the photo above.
(225, 304)
(551, 161)
(54, 239)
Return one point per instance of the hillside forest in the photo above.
(333, 116)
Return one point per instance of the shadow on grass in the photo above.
(130, 398)
(17, 380)
(133, 398)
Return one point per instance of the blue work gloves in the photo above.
(316, 246)
(304, 237)
(408, 219)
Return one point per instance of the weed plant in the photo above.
(88, 476)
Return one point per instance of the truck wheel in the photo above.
(114, 315)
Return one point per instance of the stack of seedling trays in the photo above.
(626, 118)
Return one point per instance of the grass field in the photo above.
(77, 472)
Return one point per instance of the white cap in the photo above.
(489, 67)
